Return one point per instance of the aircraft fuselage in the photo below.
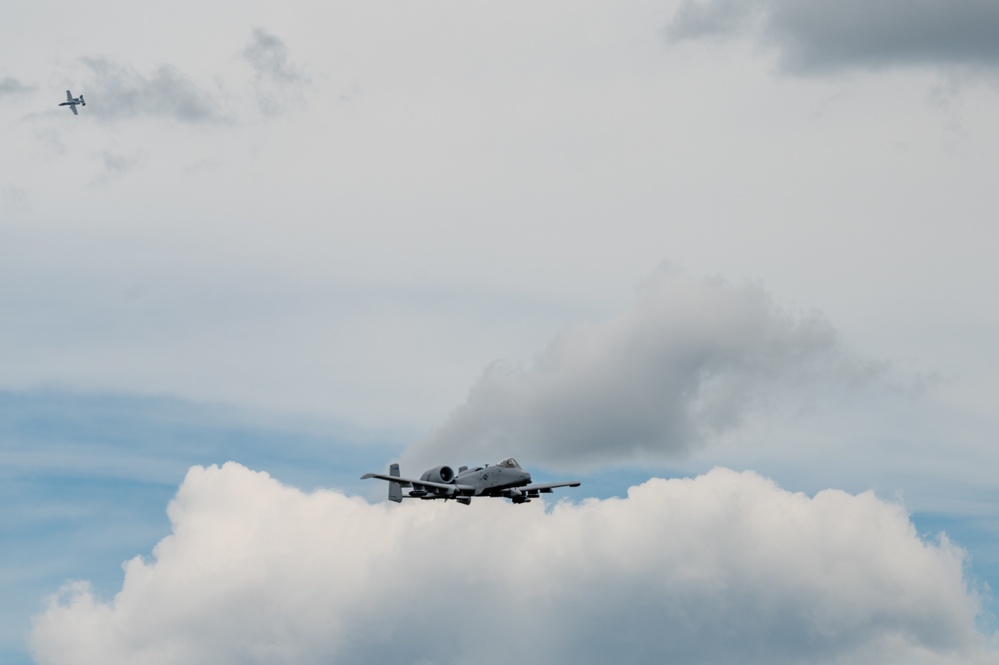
(491, 477)
(72, 102)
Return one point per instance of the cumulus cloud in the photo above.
(687, 364)
(814, 36)
(726, 567)
(119, 91)
(278, 82)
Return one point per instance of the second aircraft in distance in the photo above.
(72, 101)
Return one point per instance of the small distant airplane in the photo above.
(504, 479)
(72, 101)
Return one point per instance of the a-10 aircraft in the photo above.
(72, 101)
(505, 479)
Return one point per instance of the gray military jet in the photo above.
(72, 101)
(505, 479)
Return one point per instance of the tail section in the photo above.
(394, 489)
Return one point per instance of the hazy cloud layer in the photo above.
(116, 165)
(816, 35)
(278, 82)
(11, 86)
(726, 567)
(686, 364)
(269, 57)
(13, 199)
(119, 91)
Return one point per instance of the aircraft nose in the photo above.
(527, 476)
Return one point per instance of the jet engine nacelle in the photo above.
(439, 474)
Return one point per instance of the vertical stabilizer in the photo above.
(394, 489)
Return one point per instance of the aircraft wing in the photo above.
(518, 494)
(547, 487)
(406, 482)
(72, 107)
(69, 96)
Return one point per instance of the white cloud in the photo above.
(688, 363)
(720, 568)
(504, 170)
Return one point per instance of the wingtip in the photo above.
(367, 475)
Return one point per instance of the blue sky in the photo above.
(87, 479)
(748, 247)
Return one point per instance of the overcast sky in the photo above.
(737, 256)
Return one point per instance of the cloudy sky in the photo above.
(731, 263)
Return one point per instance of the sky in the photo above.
(730, 263)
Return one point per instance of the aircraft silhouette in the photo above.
(505, 479)
(72, 101)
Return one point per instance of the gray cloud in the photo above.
(116, 165)
(269, 57)
(814, 36)
(11, 86)
(726, 567)
(687, 364)
(13, 199)
(118, 91)
(712, 17)
(278, 82)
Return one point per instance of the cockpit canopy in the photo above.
(509, 463)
